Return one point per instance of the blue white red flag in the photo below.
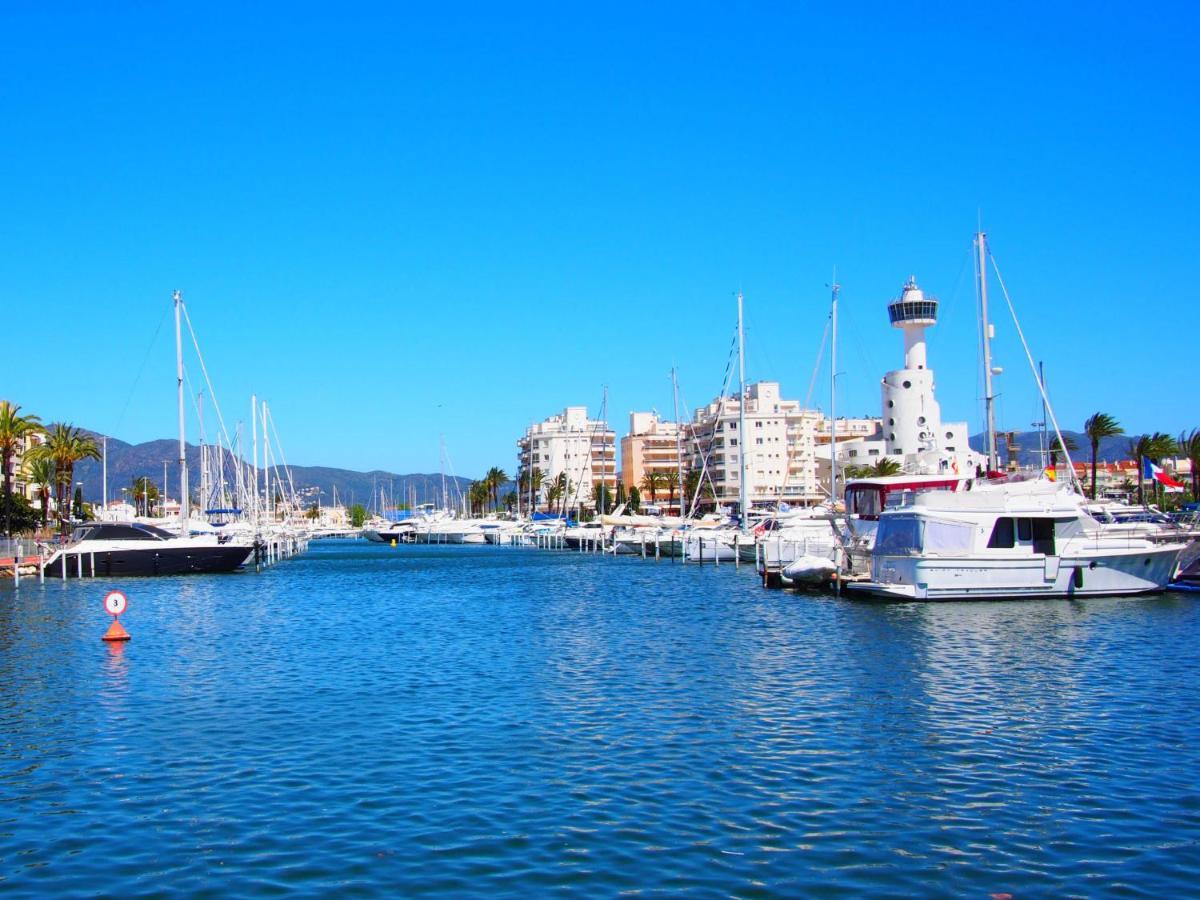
(1155, 473)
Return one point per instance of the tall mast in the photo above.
(988, 399)
(185, 511)
(442, 463)
(254, 450)
(604, 449)
(266, 464)
(104, 473)
(678, 435)
(743, 493)
(833, 466)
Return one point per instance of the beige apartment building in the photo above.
(780, 448)
(651, 445)
(572, 444)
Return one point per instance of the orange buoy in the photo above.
(115, 603)
(116, 632)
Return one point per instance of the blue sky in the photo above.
(396, 223)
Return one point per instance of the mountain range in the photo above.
(1111, 449)
(127, 462)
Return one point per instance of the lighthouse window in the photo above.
(949, 435)
(908, 384)
(890, 404)
(891, 421)
(920, 420)
(891, 437)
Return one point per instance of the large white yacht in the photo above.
(1014, 539)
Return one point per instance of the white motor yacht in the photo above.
(1011, 539)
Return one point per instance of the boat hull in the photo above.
(1112, 574)
(148, 562)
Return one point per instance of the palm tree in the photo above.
(40, 473)
(883, 468)
(650, 483)
(14, 430)
(494, 479)
(671, 483)
(1189, 446)
(66, 445)
(536, 479)
(1098, 426)
(1153, 447)
(145, 492)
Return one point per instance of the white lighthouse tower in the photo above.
(912, 419)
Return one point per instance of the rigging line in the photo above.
(204, 369)
(141, 369)
(282, 454)
(1036, 377)
(812, 384)
(712, 439)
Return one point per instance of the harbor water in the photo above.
(371, 720)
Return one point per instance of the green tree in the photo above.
(66, 445)
(493, 481)
(40, 473)
(1189, 446)
(15, 429)
(671, 483)
(358, 515)
(635, 500)
(1099, 426)
(650, 484)
(1154, 447)
(602, 498)
(144, 495)
(18, 513)
(77, 505)
(883, 468)
(313, 513)
(621, 493)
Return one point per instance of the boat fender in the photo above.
(1077, 578)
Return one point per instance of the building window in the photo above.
(920, 420)
(907, 384)
(872, 452)
(852, 454)
(949, 435)
(758, 440)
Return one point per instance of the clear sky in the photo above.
(395, 223)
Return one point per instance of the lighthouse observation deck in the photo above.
(907, 311)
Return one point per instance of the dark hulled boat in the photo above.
(111, 549)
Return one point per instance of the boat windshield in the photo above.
(910, 534)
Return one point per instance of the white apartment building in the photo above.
(780, 447)
(571, 443)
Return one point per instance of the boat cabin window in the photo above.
(1038, 534)
(865, 502)
(1002, 534)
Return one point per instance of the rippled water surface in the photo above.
(470, 720)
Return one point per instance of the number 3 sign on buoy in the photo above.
(115, 603)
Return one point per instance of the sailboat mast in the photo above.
(833, 465)
(678, 435)
(266, 464)
(184, 506)
(743, 493)
(989, 398)
(254, 450)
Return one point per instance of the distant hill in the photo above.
(129, 461)
(1111, 449)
